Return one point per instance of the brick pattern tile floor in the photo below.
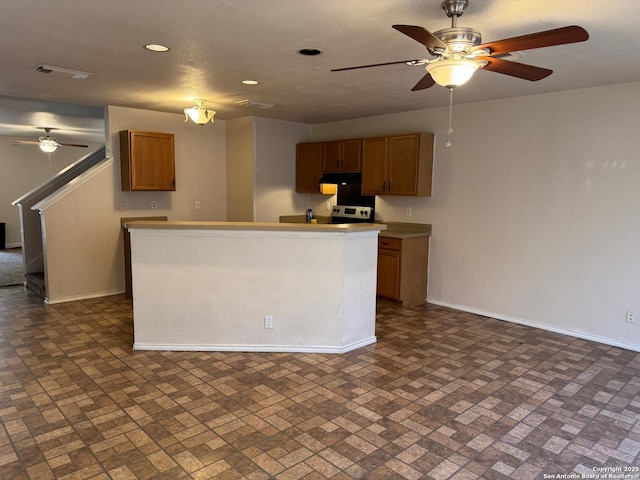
(442, 394)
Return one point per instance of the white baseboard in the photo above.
(542, 326)
(255, 348)
(86, 296)
(12, 245)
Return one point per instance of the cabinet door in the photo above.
(147, 161)
(308, 167)
(351, 155)
(374, 166)
(388, 274)
(342, 156)
(403, 164)
(331, 157)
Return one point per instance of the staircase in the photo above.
(30, 222)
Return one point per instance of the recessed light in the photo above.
(156, 47)
(310, 52)
(250, 82)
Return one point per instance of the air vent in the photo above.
(77, 74)
(251, 103)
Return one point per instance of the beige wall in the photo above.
(80, 232)
(200, 166)
(240, 169)
(23, 168)
(84, 254)
(275, 169)
(534, 207)
(261, 166)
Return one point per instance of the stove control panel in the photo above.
(354, 212)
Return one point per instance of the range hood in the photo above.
(342, 178)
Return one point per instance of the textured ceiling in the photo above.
(217, 43)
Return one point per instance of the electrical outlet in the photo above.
(407, 212)
(198, 205)
(630, 317)
(268, 321)
(154, 205)
(123, 206)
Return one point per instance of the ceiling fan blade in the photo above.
(72, 145)
(548, 38)
(425, 82)
(422, 35)
(25, 142)
(377, 65)
(515, 69)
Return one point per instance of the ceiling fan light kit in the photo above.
(48, 144)
(199, 114)
(452, 72)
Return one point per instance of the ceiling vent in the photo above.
(251, 103)
(77, 74)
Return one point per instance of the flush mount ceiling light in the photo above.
(199, 114)
(156, 47)
(250, 82)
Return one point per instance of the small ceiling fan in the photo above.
(47, 143)
(458, 51)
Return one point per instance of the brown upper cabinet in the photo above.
(398, 165)
(147, 161)
(342, 156)
(308, 167)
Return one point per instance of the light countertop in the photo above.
(393, 229)
(264, 226)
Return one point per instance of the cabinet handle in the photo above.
(385, 243)
(389, 187)
(384, 186)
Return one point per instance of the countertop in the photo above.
(393, 229)
(264, 226)
(405, 230)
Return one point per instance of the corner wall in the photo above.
(533, 210)
(23, 168)
(200, 166)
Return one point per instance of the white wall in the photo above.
(534, 208)
(214, 289)
(261, 169)
(23, 168)
(200, 166)
(275, 169)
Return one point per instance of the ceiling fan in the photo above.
(458, 51)
(47, 143)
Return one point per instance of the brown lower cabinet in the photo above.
(402, 269)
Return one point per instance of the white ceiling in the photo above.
(217, 43)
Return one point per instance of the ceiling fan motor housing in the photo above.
(459, 39)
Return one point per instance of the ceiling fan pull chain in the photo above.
(450, 129)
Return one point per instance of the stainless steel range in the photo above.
(351, 214)
(352, 206)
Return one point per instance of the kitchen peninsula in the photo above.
(242, 286)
